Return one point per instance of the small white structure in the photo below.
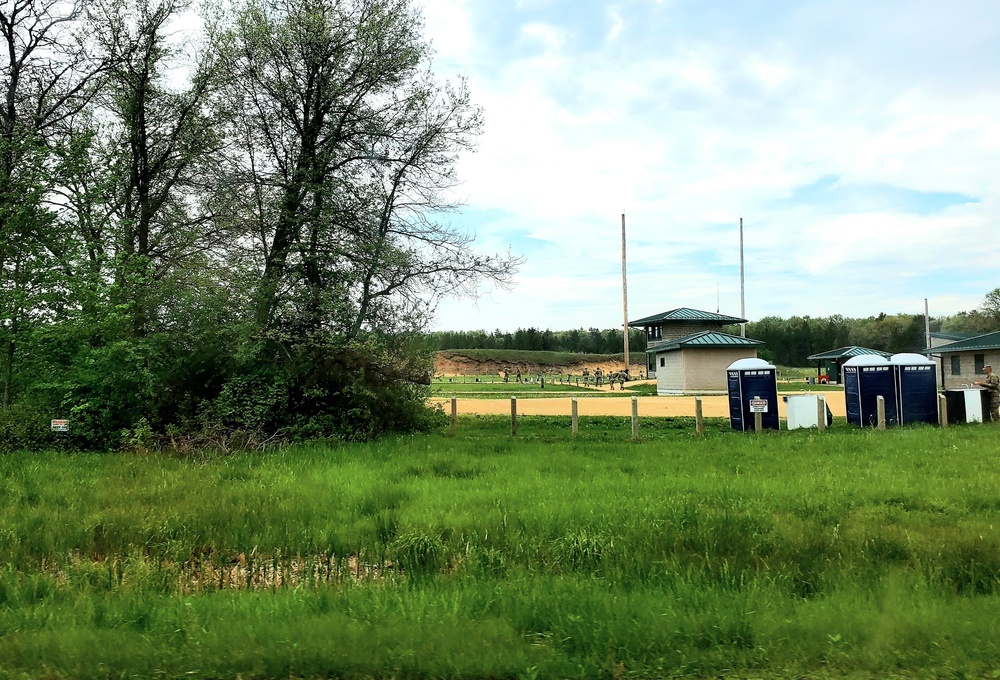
(802, 410)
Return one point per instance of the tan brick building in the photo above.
(688, 353)
(962, 361)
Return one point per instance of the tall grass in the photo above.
(479, 554)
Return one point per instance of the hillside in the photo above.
(494, 361)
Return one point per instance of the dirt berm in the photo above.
(456, 364)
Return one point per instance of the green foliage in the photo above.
(578, 341)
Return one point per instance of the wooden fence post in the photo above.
(880, 410)
(942, 411)
(635, 418)
(513, 416)
(758, 422)
(821, 413)
(576, 417)
(454, 414)
(699, 420)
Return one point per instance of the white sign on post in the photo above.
(758, 405)
(60, 426)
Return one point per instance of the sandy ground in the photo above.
(712, 406)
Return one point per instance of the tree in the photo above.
(347, 144)
(48, 77)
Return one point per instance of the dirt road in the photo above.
(712, 406)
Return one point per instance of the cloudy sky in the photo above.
(859, 141)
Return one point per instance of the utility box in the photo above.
(866, 378)
(916, 388)
(802, 410)
(967, 405)
(753, 388)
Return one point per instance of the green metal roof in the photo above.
(984, 341)
(705, 340)
(950, 336)
(846, 353)
(685, 315)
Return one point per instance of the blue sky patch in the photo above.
(831, 195)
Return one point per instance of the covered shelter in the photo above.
(830, 364)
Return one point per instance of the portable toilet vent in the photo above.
(866, 378)
(916, 388)
(753, 388)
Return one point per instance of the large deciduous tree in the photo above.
(348, 145)
(48, 76)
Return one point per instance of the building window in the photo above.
(980, 361)
(663, 362)
(956, 364)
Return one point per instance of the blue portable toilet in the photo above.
(753, 387)
(916, 388)
(866, 378)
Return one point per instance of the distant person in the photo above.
(517, 377)
(992, 385)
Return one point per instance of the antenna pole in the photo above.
(624, 297)
(743, 308)
(927, 325)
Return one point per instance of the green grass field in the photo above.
(795, 554)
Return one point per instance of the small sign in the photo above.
(60, 426)
(758, 405)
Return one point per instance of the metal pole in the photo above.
(743, 307)
(927, 325)
(624, 297)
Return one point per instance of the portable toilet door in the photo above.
(916, 388)
(753, 388)
(866, 378)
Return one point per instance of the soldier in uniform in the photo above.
(992, 384)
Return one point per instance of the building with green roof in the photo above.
(829, 363)
(962, 361)
(688, 352)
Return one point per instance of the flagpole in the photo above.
(624, 297)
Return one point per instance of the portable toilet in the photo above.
(753, 388)
(866, 378)
(916, 388)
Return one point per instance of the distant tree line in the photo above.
(589, 341)
(788, 342)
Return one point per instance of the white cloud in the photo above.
(685, 129)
